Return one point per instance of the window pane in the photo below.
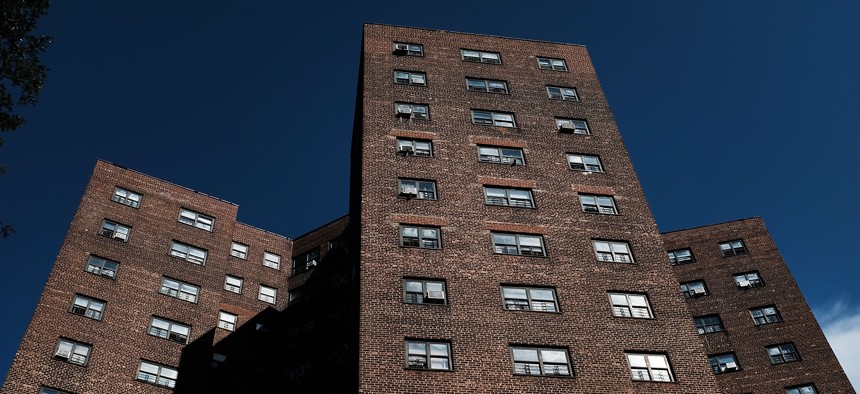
(530, 241)
(519, 294)
(637, 360)
(438, 349)
(417, 348)
(525, 355)
(542, 294)
(414, 286)
(657, 362)
(553, 356)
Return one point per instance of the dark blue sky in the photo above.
(729, 109)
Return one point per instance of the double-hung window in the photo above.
(586, 163)
(613, 251)
(239, 250)
(157, 374)
(196, 219)
(805, 389)
(115, 230)
(547, 63)
(170, 330)
(572, 126)
(481, 56)
(268, 294)
(598, 204)
(561, 93)
(412, 111)
(492, 154)
(126, 197)
(410, 78)
(89, 307)
(424, 291)
(272, 260)
(537, 299)
(681, 256)
(413, 188)
(413, 147)
(178, 289)
(408, 49)
(306, 261)
(73, 352)
(486, 85)
(540, 361)
(722, 363)
(630, 305)
(491, 118)
(781, 354)
(227, 320)
(694, 289)
(420, 237)
(518, 244)
(233, 284)
(765, 315)
(650, 367)
(428, 355)
(708, 324)
(188, 253)
(748, 279)
(101, 266)
(508, 197)
(733, 248)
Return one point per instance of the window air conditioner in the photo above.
(435, 295)
(693, 292)
(311, 264)
(566, 127)
(63, 353)
(404, 112)
(744, 283)
(730, 366)
(409, 191)
(406, 150)
(400, 49)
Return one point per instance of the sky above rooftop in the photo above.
(729, 109)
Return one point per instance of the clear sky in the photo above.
(729, 109)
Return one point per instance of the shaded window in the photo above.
(681, 256)
(781, 354)
(805, 389)
(708, 324)
(157, 374)
(694, 289)
(412, 111)
(722, 363)
(765, 315)
(749, 279)
(89, 307)
(101, 266)
(227, 320)
(486, 85)
(561, 93)
(167, 329)
(115, 230)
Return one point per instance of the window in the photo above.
(617, 252)
(560, 93)
(196, 219)
(428, 355)
(157, 374)
(653, 367)
(233, 284)
(167, 329)
(501, 119)
(408, 49)
(272, 260)
(765, 315)
(708, 324)
(508, 197)
(722, 363)
(410, 147)
(749, 279)
(100, 266)
(486, 85)
(181, 290)
(572, 126)
(694, 289)
(519, 244)
(537, 299)
(89, 307)
(412, 111)
(410, 78)
(422, 190)
(781, 354)
(512, 156)
(188, 253)
(481, 56)
(126, 197)
(421, 291)
(305, 261)
(239, 250)
(268, 294)
(540, 361)
(584, 163)
(598, 204)
(45, 390)
(73, 352)
(630, 305)
(805, 389)
(227, 321)
(114, 230)
(681, 256)
(419, 237)
(733, 248)
(545, 63)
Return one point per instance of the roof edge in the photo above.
(475, 34)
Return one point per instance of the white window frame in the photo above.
(157, 374)
(586, 162)
(227, 320)
(428, 355)
(650, 367)
(529, 298)
(549, 63)
(179, 289)
(196, 219)
(593, 203)
(126, 197)
(486, 85)
(272, 260)
(233, 284)
(503, 155)
(414, 147)
(494, 118)
(413, 78)
(268, 294)
(412, 111)
(572, 126)
(562, 93)
(509, 197)
(540, 361)
(102, 266)
(487, 57)
(632, 305)
(239, 250)
(613, 251)
(114, 230)
(191, 254)
(169, 330)
(518, 248)
(424, 291)
(73, 352)
(87, 307)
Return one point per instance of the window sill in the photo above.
(428, 370)
(543, 376)
(521, 255)
(445, 305)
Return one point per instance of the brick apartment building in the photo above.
(498, 241)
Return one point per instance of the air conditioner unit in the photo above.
(121, 236)
(566, 127)
(744, 283)
(64, 353)
(693, 292)
(730, 366)
(409, 191)
(435, 295)
(311, 264)
(406, 150)
(400, 49)
(404, 112)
